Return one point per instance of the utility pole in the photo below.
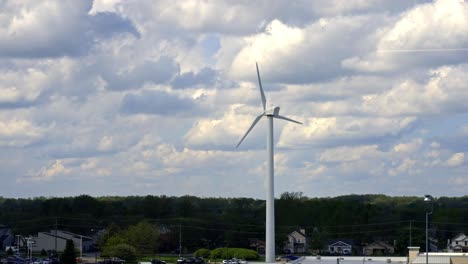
(428, 199)
(18, 244)
(410, 232)
(180, 240)
(56, 224)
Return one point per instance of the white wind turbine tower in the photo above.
(270, 199)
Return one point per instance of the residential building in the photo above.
(257, 245)
(458, 244)
(6, 237)
(340, 246)
(378, 248)
(297, 242)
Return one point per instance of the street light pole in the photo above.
(428, 199)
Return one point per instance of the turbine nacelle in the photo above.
(274, 111)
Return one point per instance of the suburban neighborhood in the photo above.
(296, 243)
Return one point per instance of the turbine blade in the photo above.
(250, 128)
(261, 88)
(287, 119)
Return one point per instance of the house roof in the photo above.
(52, 235)
(297, 232)
(378, 244)
(346, 241)
(460, 237)
(5, 231)
(75, 235)
(339, 244)
(256, 242)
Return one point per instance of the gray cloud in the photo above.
(154, 102)
(205, 77)
(106, 24)
(157, 72)
(52, 29)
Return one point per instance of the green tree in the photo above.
(202, 252)
(68, 255)
(123, 251)
(111, 231)
(318, 242)
(144, 237)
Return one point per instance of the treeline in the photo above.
(236, 222)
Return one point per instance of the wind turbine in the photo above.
(270, 113)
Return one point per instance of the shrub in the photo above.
(202, 252)
(227, 253)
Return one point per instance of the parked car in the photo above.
(112, 261)
(233, 261)
(157, 261)
(190, 260)
(291, 257)
(15, 260)
(199, 260)
(53, 260)
(181, 261)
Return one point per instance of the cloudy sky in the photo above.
(112, 97)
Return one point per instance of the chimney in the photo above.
(413, 252)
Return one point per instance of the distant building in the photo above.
(341, 246)
(378, 248)
(415, 257)
(458, 243)
(297, 242)
(6, 237)
(257, 245)
(56, 240)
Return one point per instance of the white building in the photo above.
(57, 239)
(297, 242)
(458, 243)
(340, 247)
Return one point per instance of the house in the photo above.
(458, 244)
(297, 242)
(57, 239)
(6, 237)
(257, 245)
(378, 248)
(340, 246)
